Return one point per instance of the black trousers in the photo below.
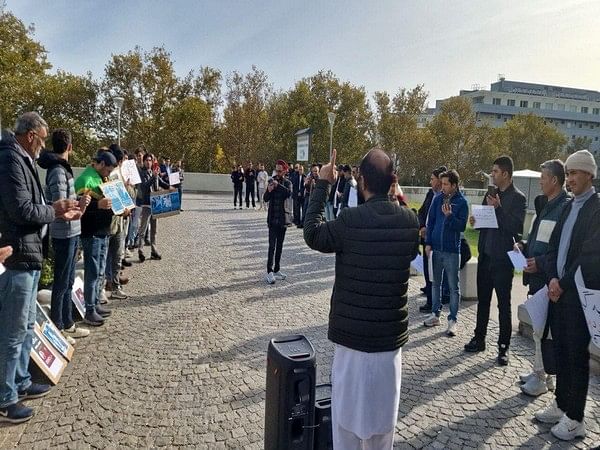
(298, 208)
(491, 276)
(249, 193)
(276, 237)
(571, 346)
(237, 192)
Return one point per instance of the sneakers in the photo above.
(155, 255)
(550, 383)
(128, 253)
(525, 377)
(126, 263)
(502, 358)
(432, 320)
(535, 385)
(68, 338)
(16, 413)
(568, 429)
(270, 278)
(76, 332)
(93, 318)
(36, 390)
(103, 297)
(475, 345)
(280, 275)
(118, 294)
(103, 311)
(451, 331)
(141, 256)
(550, 414)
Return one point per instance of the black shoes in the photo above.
(125, 263)
(475, 346)
(426, 308)
(502, 358)
(16, 413)
(93, 318)
(156, 256)
(141, 256)
(36, 390)
(103, 311)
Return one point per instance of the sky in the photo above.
(447, 45)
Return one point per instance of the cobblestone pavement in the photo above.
(182, 362)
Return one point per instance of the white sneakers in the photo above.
(550, 414)
(273, 276)
(432, 320)
(567, 429)
(535, 384)
(76, 332)
(280, 275)
(451, 331)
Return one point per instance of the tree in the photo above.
(579, 143)
(463, 145)
(531, 141)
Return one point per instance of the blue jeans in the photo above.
(18, 295)
(134, 224)
(94, 264)
(449, 264)
(61, 309)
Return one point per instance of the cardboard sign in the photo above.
(165, 203)
(77, 296)
(120, 198)
(52, 334)
(130, 172)
(46, 357)
(174, 178)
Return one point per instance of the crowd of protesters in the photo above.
(71, 216)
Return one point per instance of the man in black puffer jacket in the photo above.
(24, 219)
(374, 244)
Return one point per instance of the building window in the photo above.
(569, 124)
(573, 108)
(580, 125)
(584, 109)
(537, 105)
(596, 138)
(496, 101)
(524, 104)
(596, 111)
(560, 106)
(510, 102)
(505, 119)
(498, 116)
(549, 105)
(573, 137)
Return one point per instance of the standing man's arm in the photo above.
(511, 219)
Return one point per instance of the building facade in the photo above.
(574, 112)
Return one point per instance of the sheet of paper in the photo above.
(353, 198)
(545, 230)
(2, 269)
(430, 266)
(537, 307)
(485, 216)
(174, 178)
(517, 259)
(130, 172)
(590, 303)
(417, 264)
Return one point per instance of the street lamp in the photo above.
(331, 119)
(118, 101)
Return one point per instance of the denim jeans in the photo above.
(329, 211)
(449, 264)
(94, 263)
(147, 222)
(134, 224)
(114, 257)
(18, 294)
(61, 309)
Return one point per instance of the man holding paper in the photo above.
(494, 268)
(548, 207)
(574, 244)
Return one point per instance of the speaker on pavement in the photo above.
(290, 396)
(323, 436)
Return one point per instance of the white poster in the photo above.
(485, 216)
(590, 302)
(130, 172)
(302, 143)
(537, 308)
(174, 178)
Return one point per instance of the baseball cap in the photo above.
(107, 158)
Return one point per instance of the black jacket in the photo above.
(237, 178)
(374, 244)
(250, 177)
(298, 185)
(149, 184)
(496, 242)
(424, 209)
(276, 200)
(23, 213)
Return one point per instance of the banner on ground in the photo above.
(51, 333)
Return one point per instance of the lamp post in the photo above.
(331, 119)
(118, 101)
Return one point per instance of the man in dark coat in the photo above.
(237, 178)
(374, 244)
(24, 218)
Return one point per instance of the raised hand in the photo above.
(329, 171)
(5, 252)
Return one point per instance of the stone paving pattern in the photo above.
(182, 362)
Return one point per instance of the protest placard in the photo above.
(537, 308)
(120, 198)
(485, 216)
(174, 178)
(52, 334)
(130, 172)
(77, 296)
(590, 303)
(165, 203)
(46, 357)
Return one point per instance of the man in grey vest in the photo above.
(374, 244)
